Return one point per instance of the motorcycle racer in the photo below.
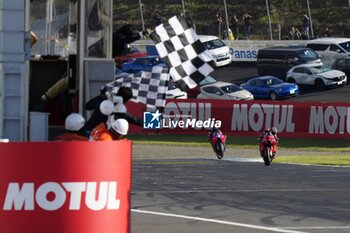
(215, 133)
(273, 131)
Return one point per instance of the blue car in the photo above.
(142, 64)
(270, 87)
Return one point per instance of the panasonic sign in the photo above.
(52, 196)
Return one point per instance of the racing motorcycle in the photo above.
(268, 146)
(218, 143)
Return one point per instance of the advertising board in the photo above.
(65, 187)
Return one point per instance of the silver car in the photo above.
(315, 75)
(224, 91)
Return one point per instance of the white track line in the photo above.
(217, 221)
(319, 227)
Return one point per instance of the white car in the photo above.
(175, 93)
(315, 75)
(217, 48)
(224, 91)
(330, 48)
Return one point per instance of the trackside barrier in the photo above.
(65, 187)
(249, 118)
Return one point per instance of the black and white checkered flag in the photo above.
(179, 46)
(147, 87)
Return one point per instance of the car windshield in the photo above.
(207, 80)
(133, 49)
(272, 81)
(231, 88)
(214, 44)
(345, 45)
(307, 53)
(171, 86)
(319, 69)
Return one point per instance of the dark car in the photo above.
(277, 61)
(342, 64)
(142, 64)
(270, 87)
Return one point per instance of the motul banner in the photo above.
(249, 118)
(65, 187)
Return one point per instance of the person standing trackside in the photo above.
(74, 124)
(116, 131)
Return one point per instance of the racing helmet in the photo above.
(274, 130)
(74, 122)
(214, 129)
(121, 126)
(106, 107)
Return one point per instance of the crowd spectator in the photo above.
(218, 21)
(294, 34)
(326, 32)
(157, 18)
(247, 19)
(234, 26)
(306, 27)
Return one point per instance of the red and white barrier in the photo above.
(249, 118)
(65, 187)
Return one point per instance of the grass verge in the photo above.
(337, 160)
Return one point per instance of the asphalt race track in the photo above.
(240, 72)
(241, 195)
(211, 196)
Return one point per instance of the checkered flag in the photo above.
(178, 44)
(147, 87)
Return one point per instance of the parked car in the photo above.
(318, 76)
(224, 91)
(270, 87)
(194, 92)
(342, 64)
(132, 52)
(142, 64)
(330, 48)
(175, 93)
(277, 61)
(217, 48)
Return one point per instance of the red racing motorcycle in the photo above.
(268, 148)
(218, 143)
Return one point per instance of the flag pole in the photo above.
(268, 15)
(183, 7)
(309, 11)
(227, 23)
(141, 15)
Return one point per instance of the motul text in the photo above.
(52, 196)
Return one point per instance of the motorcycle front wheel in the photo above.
(219, 150)
(267, 156)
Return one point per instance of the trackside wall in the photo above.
(248, 118)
